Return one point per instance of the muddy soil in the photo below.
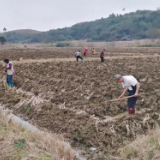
(14, 54)
(76, 101)
(81, 129)
(91, 85)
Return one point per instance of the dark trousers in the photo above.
(132, 101)
(79, 57)
(10, 80)
(102, 59)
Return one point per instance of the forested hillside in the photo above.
(136, 25)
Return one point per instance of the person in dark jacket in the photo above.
(102, 55)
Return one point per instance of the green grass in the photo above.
(45, 156)
(27, 107)
(20, 143)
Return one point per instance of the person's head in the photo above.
(118, 78)
(79, 51)
(6, 61)
(104, 50)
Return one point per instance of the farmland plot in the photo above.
(72, 99)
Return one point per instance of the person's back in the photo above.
(93, 51)
(78, 55)
(9, 69)
(129, 81)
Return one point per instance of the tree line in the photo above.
(136, 25)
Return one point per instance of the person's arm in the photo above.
(10, 67)
(123, 93)
(137, 89)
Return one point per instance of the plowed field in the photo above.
(72, 98)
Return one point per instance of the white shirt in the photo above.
(128, 82)
(78, 53)
(10, 71)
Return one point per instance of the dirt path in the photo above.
(86, 59)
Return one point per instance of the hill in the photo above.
(130, 26)
(24, 31)
(20, 36)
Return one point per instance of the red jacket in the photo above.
(85, 51)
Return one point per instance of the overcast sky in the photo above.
(44, 15)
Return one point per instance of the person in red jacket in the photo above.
(102, 55)
(85, 52)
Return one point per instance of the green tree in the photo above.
(154, 34)
(134, 25)
(4, 29)
(2, 40)
(112, 15)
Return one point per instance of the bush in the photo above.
(63, 44)
(126, 38)
(2, 40)
(148, 45)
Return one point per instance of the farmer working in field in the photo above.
(10, 72)
(78, 56)
(130, 84)
(85, 52)
(93, 51)
(102, 55)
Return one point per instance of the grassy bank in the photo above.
(16, 143)
(145, 147)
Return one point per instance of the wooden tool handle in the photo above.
(125, 98)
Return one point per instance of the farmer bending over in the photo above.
(78, 55)
(130, 84)
(10, 71)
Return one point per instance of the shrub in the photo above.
(148, 45)
(63, 44)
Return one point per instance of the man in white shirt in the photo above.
(130, 84)
(78, 56)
